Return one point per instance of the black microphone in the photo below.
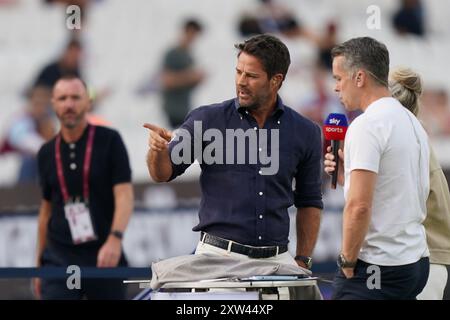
(334, 129)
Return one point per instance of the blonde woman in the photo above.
(406, 86)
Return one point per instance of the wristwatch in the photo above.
(116, 233)
(306, 260)
(342, 262)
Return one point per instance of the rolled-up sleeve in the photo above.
(308, 179)
(183, 142)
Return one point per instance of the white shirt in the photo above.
(388, 139)
(23, 135)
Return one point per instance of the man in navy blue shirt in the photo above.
(250, 149)
(87, 199)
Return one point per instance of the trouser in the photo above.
(372, 282)
(437, 280)
(202, 248)
(303, 293)
(447, 287)
(90, 288)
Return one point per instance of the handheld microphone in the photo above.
(334, 129)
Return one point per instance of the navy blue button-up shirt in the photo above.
(240, 202)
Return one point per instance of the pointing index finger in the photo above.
(164, 133)
(151, 127)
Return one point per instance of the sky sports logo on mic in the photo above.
(335, 126)
(334, 129)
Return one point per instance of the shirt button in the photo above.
(259, 237)
(246, 111)
(241, 118)
(73, 166)
(260, 171)
(260, 193)
(260, 149)
(72, 146)
(256, 128)
(72, 155)
(260, 216)
(278, 121)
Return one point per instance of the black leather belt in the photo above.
(250, 251)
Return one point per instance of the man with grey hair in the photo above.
(385, 176)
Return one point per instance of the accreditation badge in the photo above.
(80, 222)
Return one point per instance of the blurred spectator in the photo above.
(272, 17)
(249, 25)
(325, 44)
(29, 131)
(66, 65)
(321, 101)
(69, 65)
(179, 76)
(410, 18)
(435, 113)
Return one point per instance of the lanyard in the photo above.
(86, 166)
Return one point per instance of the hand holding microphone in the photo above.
(334, 129)
(330, 165)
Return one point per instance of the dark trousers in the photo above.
(90, 288)
(403, 282)
(447, 287)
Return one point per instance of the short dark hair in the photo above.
(273, 54)
(366, 53)
(193, 24)
(71, 77)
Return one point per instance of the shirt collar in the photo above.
(81, 138)
(375, 103)
(279, 106)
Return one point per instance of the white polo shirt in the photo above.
(389, 140)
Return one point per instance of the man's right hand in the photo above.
(159, 137)
(330, 164)
(158, 159)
